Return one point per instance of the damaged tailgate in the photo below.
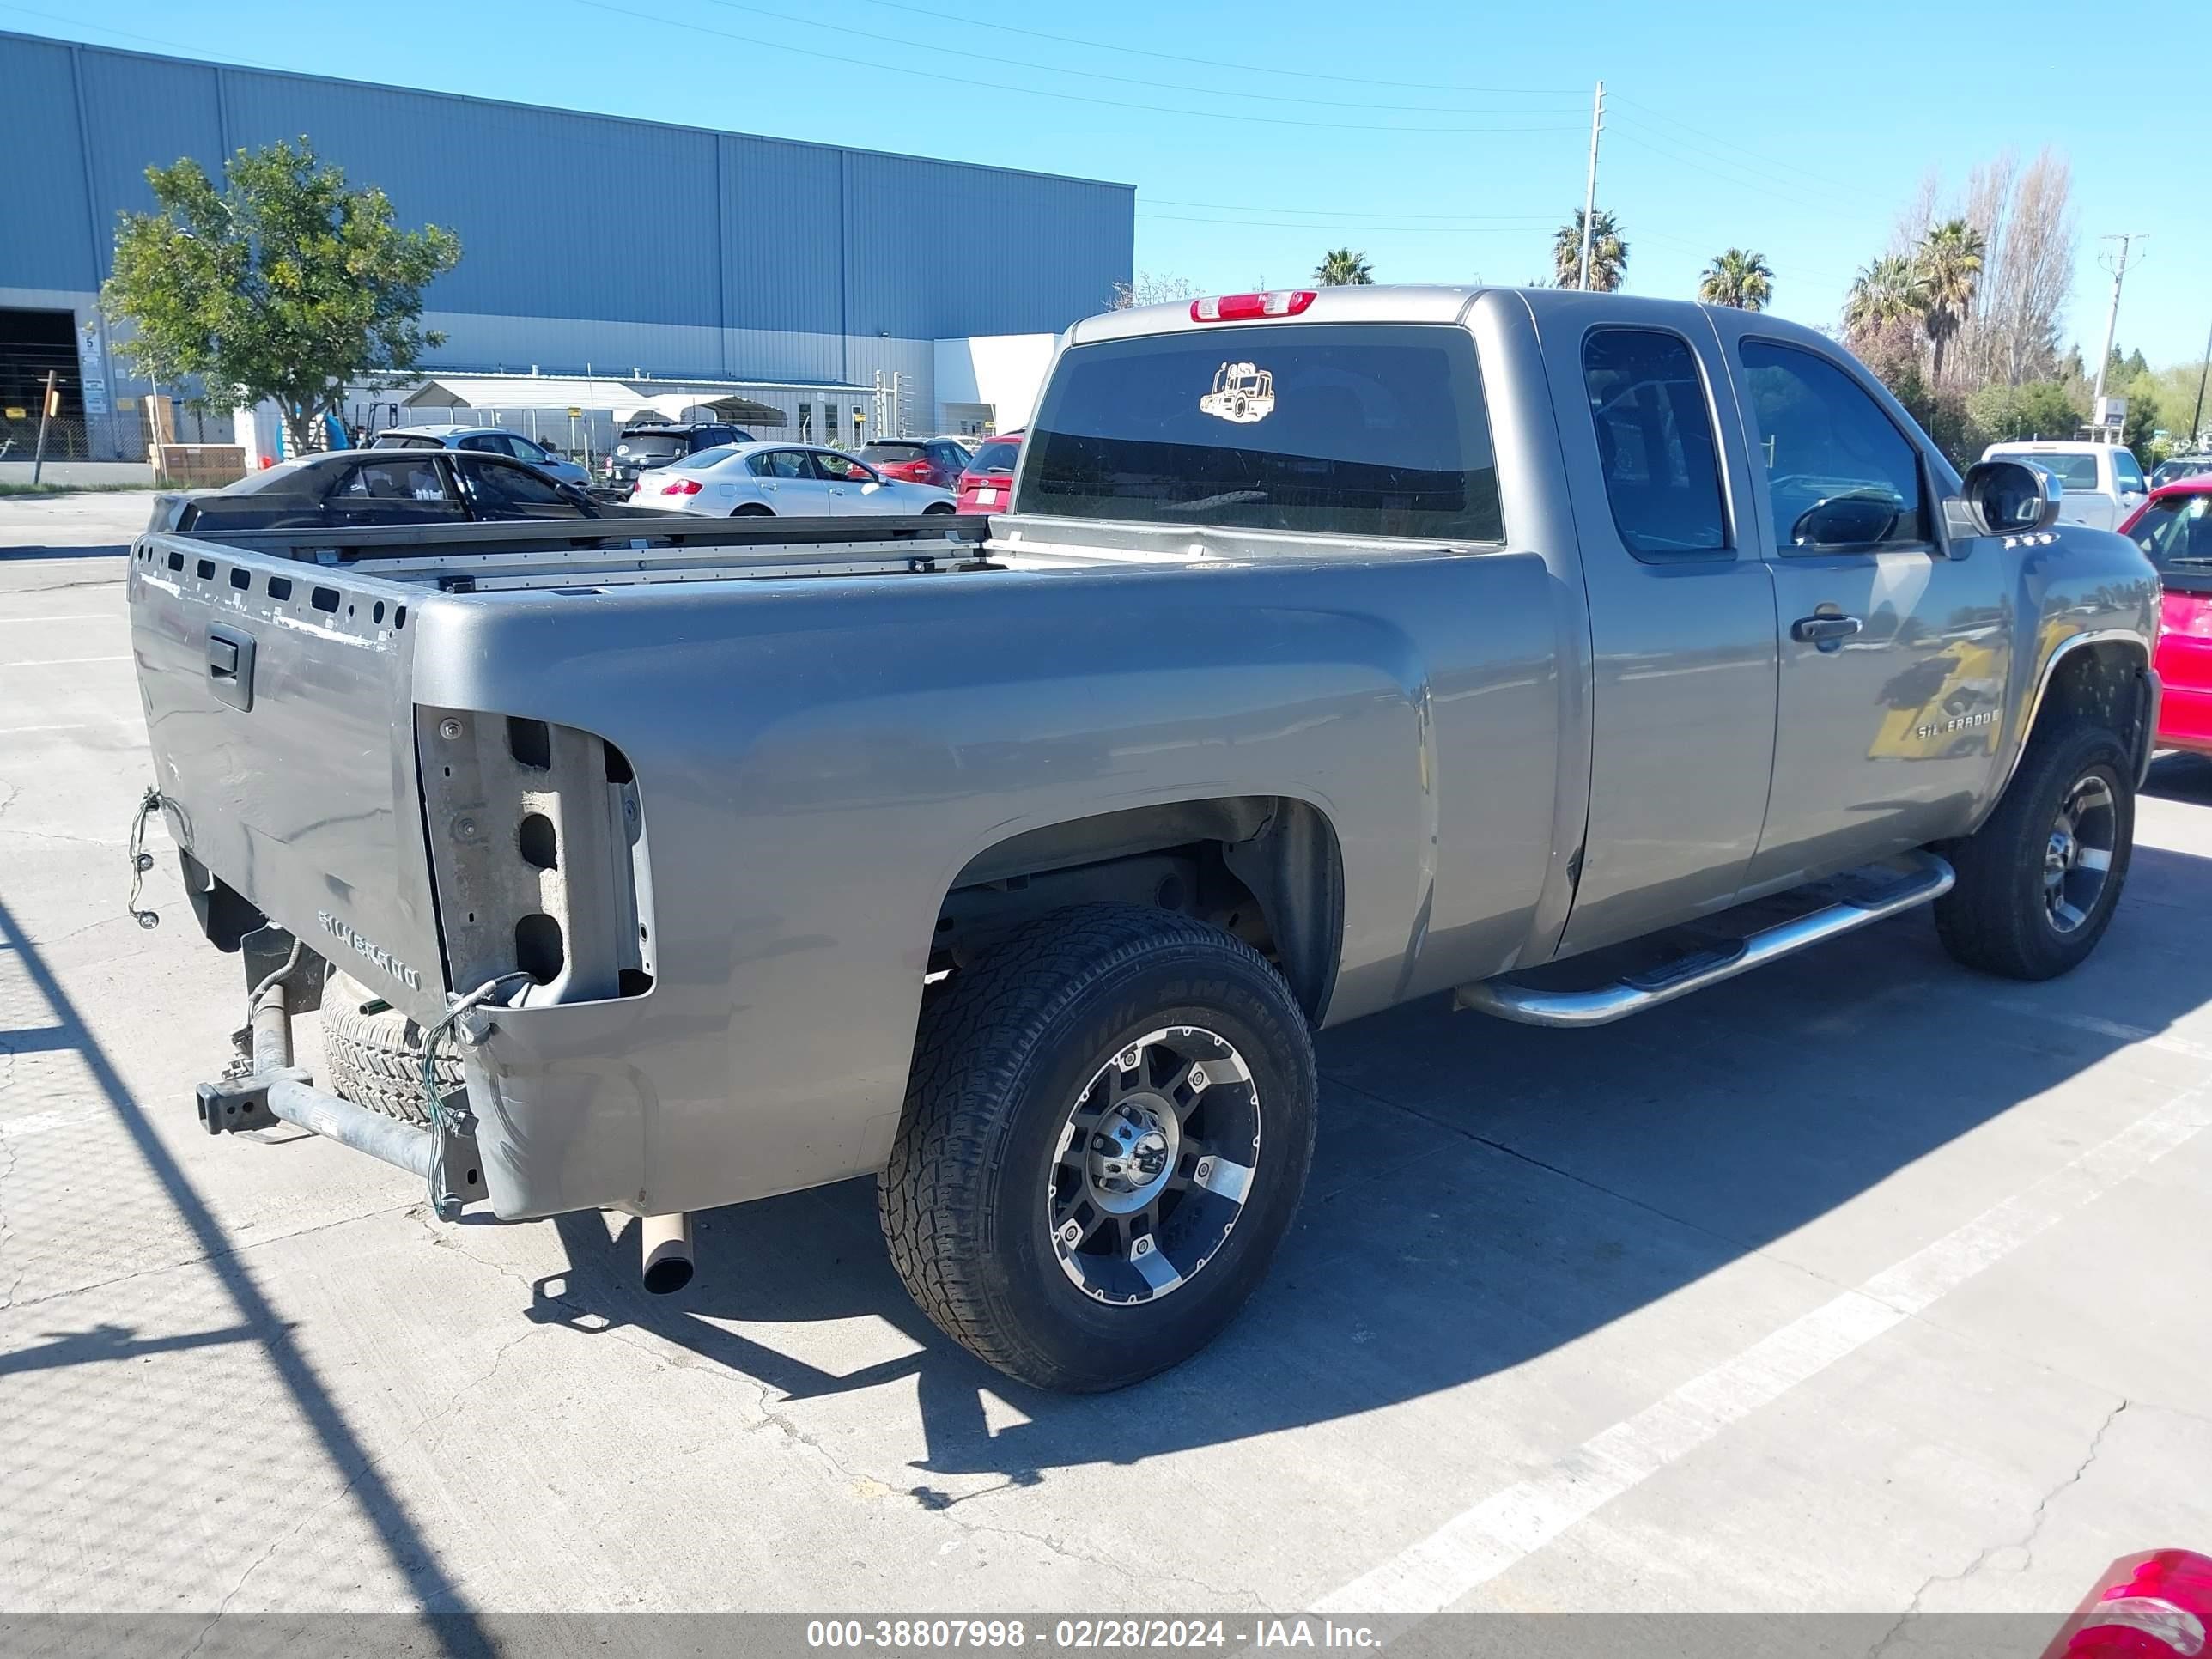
(279, 705)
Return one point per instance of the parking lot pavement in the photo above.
(1864, 1284)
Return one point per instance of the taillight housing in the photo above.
(1236, 307)
(681, 487)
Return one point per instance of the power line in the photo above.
(848, 61)
(1339, 226)
(1304, 100)
(1790, 194)
(1217, 63)
(1722, 147)
(1363, 213)
(192, 52)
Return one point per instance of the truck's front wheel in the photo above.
(2038, 881)
(1107, 1126)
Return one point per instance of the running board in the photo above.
(1870, 896)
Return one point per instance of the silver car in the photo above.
(790, 481)
(488, 440)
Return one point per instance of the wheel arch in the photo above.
(2103, 676)
(1269, 868)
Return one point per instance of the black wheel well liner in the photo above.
(2101, 681)
(1268, 866)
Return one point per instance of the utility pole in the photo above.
(46, 403)
(2118, 266)
(1589, 191)
(2197, 420)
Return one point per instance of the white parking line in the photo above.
(74, 615)
(1482, 1542)
(2170, 1041)
(62, 662)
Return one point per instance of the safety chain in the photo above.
(141, 859)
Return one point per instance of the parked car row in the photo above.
(351, 488)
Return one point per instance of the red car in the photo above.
(989, 479)
(2174, 527)
(938, 461)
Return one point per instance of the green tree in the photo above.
(1949, 263)
(1887, 292)
(2036, 408)
(1609, 259)
(1738, 278)
(282, 284)
(1341, 268)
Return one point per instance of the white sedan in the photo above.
(792, 481)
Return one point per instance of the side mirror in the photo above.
(2010, 498)
(1844, 521)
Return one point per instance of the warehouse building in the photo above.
(836, 291)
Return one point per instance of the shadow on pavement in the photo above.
(409, 1552)
(1482, 1193)
(12, 555)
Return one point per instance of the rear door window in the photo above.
(1337, 429)
(1655, 440)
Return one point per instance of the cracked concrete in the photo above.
(1512, 1240)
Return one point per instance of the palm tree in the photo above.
(1890, 290)
(1609, 258)
(1949, 262)
(1341, 268)
(1738, 278)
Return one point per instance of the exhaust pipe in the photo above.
(667, 1240)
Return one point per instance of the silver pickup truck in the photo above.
(1564, 653)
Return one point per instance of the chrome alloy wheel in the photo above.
(2078, 858)
(1154, 1163)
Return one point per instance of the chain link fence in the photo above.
(122, 435)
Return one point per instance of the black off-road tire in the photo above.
(1002, 1059)
(372, 1054)
(1995, 917)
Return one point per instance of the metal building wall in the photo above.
(657, 240)
(45, 225)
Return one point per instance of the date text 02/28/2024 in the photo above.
(1122, 1634)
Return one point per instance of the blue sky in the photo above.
(1448, 142)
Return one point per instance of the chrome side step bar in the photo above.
(1873, 898)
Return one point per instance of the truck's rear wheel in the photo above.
(372, 1054)
(2038, 883)
(1107, 1126)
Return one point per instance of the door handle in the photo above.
(1826, 632)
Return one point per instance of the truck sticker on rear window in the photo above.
(1242, 392)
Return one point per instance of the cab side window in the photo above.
(1839, 474)
(1654, 440)
(501, 490)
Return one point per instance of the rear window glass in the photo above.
(995, 458)
(652, 447)
(2077, 473)
(1360, 429)
(889, 452)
